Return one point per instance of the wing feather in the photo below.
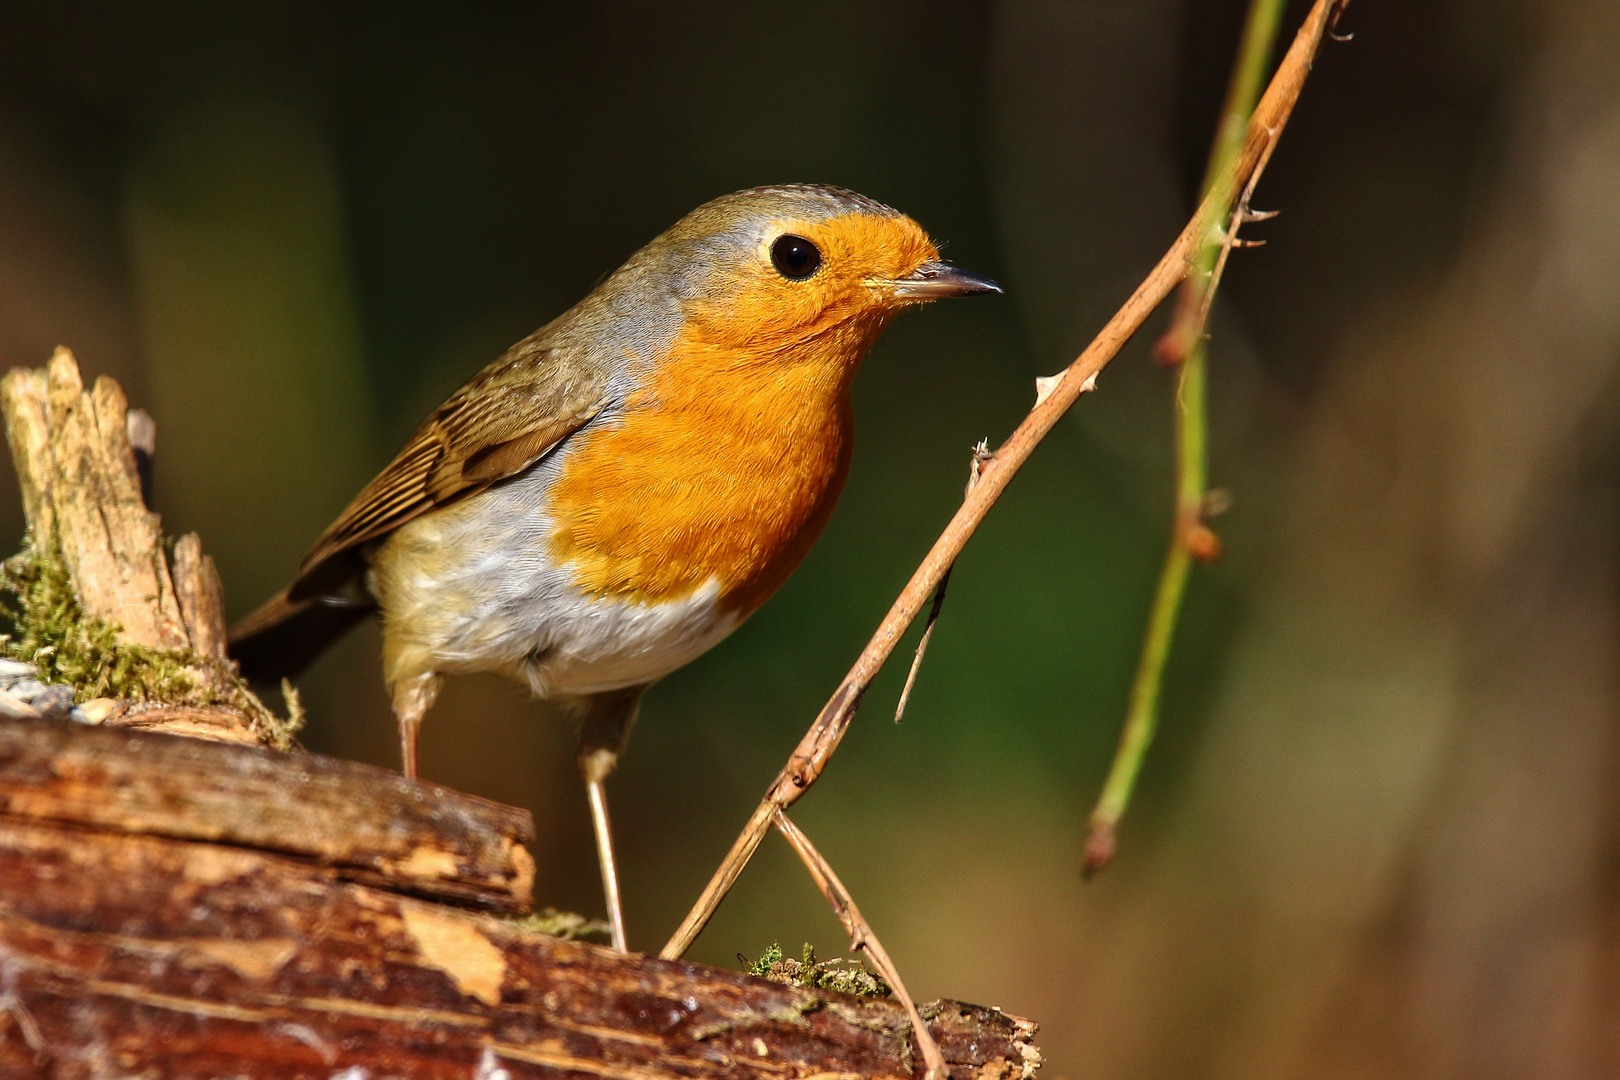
(508, 417)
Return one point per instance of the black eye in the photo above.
(794, 257)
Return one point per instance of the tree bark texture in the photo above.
(176, 908)
(365, 823)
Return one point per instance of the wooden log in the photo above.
(366, 823)
(209, 723)
(157, 957)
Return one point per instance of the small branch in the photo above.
(1185, 343)
(922, 645)
(861, 937)
(810, 757)
(1141, 717)
(981, 454)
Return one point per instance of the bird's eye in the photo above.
(794, 257)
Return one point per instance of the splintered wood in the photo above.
(81, 489)
(202, 597)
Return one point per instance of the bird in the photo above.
(621, 489)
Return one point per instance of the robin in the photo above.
(625, 486)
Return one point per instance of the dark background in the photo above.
(1375, 837)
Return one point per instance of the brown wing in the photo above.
(508, 417)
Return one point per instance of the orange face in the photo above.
(855, 262)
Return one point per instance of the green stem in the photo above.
(1192, 443)
(1191, 425)
(1142, 717)
(1254, 57)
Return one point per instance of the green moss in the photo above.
(50, 631)
(761, 968)
(843, 976)
(563, 924)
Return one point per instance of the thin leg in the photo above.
(412, 699)
(604, 728)
(596, 791)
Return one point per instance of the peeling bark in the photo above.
(149, 955)
(366, 823)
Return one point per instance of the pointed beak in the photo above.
(936, 280)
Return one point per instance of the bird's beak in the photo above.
(935, 280)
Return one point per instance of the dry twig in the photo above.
(981, 454)
(810, 758)
(862, 938)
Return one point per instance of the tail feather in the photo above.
(283, 637)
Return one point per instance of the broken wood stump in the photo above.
(112, 616)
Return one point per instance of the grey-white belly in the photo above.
(473, 587)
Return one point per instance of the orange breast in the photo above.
(726, 467)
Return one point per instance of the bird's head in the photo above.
(779, 267)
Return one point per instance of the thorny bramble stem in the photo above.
(1184, 344)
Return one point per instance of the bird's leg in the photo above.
(596, 792)
(413, 697)
(604, 728)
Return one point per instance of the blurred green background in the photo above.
(1377, 836)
